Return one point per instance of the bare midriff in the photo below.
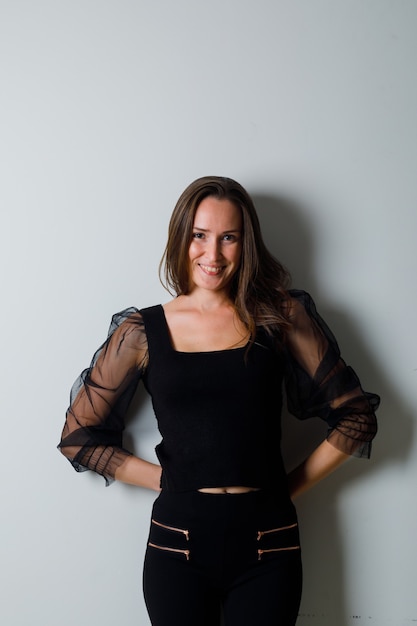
(239, 489)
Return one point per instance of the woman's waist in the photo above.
(233, 472)
(231, 489)
(190, 509)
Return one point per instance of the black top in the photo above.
(218, 412)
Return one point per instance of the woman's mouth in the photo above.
(211, 269)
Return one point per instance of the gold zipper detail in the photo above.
(185, 552)
(177, 530)
(261, 533)
(261, 552)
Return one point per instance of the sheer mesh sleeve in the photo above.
(92, 434)
(319, 383)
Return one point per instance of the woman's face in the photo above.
(216, 245)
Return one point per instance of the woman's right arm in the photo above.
(136, 471)
(92, 434)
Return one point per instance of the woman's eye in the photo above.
(229, 237)
(198, 235)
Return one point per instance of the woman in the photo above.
(223, 536)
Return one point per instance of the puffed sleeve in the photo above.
(92, 434)
(320, 384)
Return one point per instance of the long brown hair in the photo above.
(259, 287)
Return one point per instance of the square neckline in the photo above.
(169, 337)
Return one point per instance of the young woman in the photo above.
(223, 535)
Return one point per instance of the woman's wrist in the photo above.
(141, 473)
(321, 462)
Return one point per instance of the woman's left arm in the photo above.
(321, 462)
(320, 384)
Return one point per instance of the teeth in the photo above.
(211, 270)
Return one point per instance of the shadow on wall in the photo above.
(289, 237)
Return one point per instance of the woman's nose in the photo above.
(213, 250)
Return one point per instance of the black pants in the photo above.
(231, 557)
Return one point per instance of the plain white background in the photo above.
(107, 111)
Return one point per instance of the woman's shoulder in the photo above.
(299, 295)
(132, 314)
(130, 322)
(298, 301)
(129, 315)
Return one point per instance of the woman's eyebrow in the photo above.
(207, 230)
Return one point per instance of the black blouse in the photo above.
(317, 380)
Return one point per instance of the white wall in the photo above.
(108, 110)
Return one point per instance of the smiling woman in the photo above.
(224, 533)
(214, 258)
(216, 245)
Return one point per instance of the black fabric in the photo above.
(236, 555)
(219, 412)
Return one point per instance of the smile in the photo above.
(209, 269)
